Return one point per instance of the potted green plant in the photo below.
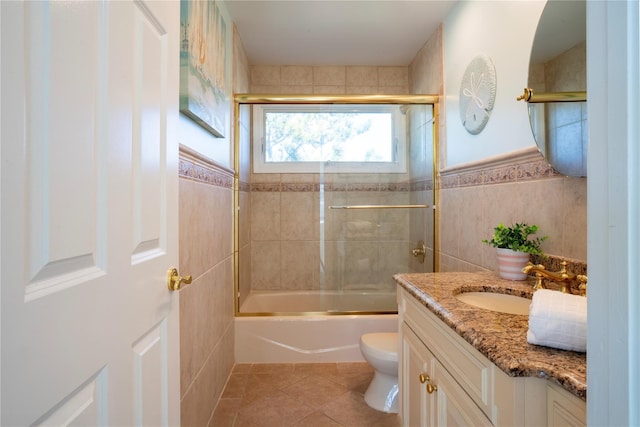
(514, 247)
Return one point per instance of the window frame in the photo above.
(399, 150)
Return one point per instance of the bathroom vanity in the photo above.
(463, 365)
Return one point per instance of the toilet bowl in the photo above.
(381, 351)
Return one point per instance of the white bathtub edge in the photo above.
(306, 339)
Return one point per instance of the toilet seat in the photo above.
(381, 345)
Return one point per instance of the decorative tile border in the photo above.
(332, 186)
(425, 185)
(245, 187)
(196, 167)
(268, 187)
(524, 165)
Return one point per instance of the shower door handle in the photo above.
(420, 251)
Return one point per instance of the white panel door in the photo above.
(88, 213)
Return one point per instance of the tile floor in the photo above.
(297, 395)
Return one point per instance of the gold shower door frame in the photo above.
(253, 99)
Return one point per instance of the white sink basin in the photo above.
(502, 303)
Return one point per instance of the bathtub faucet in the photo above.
(420, 251)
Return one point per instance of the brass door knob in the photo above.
(431, 388)
(174, 280)
(424, 378)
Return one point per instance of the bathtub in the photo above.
(311, 336)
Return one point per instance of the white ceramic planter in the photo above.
(511, 263)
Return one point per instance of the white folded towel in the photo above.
(558, 320)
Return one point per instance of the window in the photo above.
(329, 138)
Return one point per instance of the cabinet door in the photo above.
(564, 409)
(454, 406)
(447, 404)
(416, 405)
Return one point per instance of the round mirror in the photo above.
(558, 66)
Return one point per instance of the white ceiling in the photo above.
(327, 32)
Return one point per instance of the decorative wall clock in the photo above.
(477, 94)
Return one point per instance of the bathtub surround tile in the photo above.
(362, 90)
(329, 90)
(298, 212)
(265, 75)
(332, 277)
(393, 90)
(393, 258)
(241, 74)
(355, 80)
(297, 75)
(309, 394)
(363, 257)
(244, 256)
(299, 178)
(267, 187)
(245, 218)
(300, 260)
(393, 77)
(296, 90)
(265, 264)
(300, 216)
(329, 75)
(256, 88)
(362, 76)
(425, 70)
(265, 216)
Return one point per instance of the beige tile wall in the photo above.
(526, 190)
(206, 305)
(206, 252)
(286, 239)
(425, 77)
(353, 80)
(285, 208)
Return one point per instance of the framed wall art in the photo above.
(205, 65)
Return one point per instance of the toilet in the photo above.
(381, 351)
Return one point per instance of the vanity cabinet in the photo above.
(564, 409)
(434, 398)
(445, 381)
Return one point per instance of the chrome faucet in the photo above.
(563, 277)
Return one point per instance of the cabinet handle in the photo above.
(424, 378)
(431, 388)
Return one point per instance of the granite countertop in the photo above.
(501, 337)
